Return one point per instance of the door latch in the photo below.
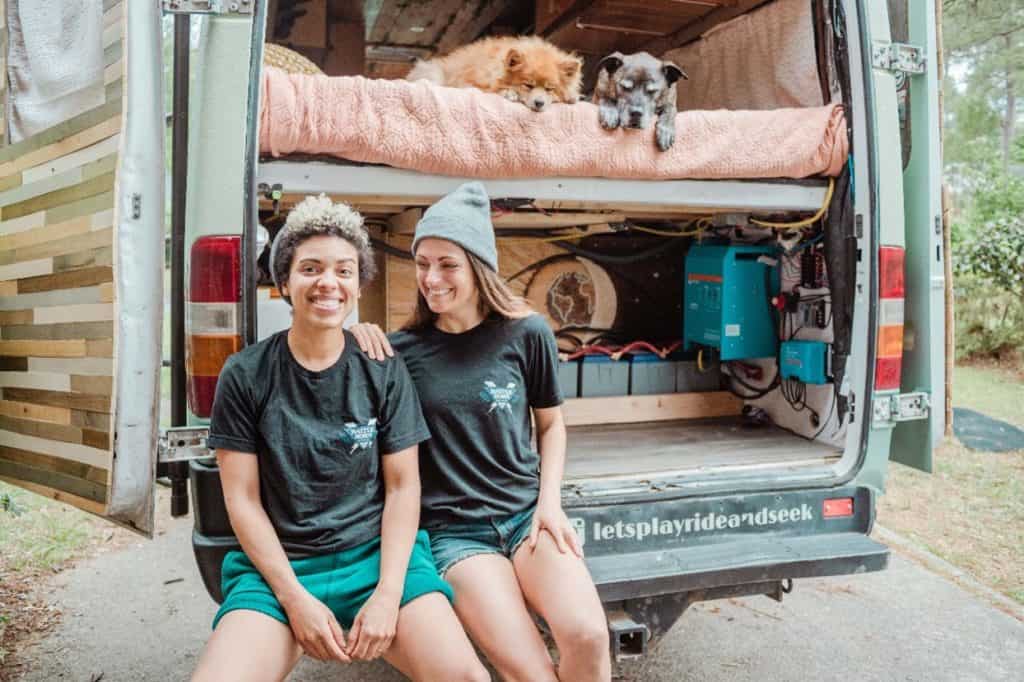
(888, 410)
(207, 6)
(183, 443)
(898, 57)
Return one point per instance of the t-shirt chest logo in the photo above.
(499, 397)
(356, 436)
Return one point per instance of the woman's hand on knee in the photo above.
(374, 627)
(372, 340)
(317, 630)
(550, 517)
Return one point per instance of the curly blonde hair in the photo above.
(316, 217)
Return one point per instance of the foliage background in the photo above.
(984, 170)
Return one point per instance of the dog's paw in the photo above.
(609, 117)
(665, 136)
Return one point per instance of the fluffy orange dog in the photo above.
(528, 69)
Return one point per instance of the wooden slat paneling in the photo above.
(64, 466)
(57, 198)
(51, 479)
(74, 279)
(98, 508)
(45, 349)
(57, 415)
(63, 331)
(76, 401)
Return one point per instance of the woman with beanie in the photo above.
(317, 448)
(483, 364)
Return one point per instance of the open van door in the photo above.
(923, 367)
(81, 254)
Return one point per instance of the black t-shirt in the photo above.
(318, 436)
(476, 389)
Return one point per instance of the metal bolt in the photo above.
(234, 7)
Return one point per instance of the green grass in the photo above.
(981, 493)
(37, 533)
(992, 391)
(37, 536)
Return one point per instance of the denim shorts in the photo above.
(500, 535)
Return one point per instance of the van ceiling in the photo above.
(395, 33)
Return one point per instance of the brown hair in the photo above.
(496, 298)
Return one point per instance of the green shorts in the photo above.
(343, 580)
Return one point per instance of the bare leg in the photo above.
(559, 588)
(248, 645)
(430, 644)
(490, 605)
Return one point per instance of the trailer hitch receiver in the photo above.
(628, 638)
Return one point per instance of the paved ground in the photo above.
(141, 613)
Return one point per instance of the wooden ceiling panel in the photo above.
(398, 31)
(412, 22)
(626, 25)
(470, 21)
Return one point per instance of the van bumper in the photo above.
(752, 560)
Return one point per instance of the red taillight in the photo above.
(212, 320)
(890, 272)
(215, 274)
(837, 507)
(891, 288)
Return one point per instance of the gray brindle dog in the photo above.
(634, 88)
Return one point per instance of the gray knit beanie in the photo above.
(463, 217)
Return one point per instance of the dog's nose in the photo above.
(538, 104)
(635, 116)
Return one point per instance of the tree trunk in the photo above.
(1010, 117)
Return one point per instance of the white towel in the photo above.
(55, 62)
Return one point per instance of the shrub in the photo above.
(989, 320)
(994, 253)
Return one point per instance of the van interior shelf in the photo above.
(380, 186)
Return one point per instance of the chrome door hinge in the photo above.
(898, 57)
(182, 443)
(888, 410)
(207, 6)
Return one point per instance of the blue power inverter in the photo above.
(805, 361)
(726, 300)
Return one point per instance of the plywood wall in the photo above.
(57, 308)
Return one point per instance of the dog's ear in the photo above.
(673, 73)
(513, 60)
(570, 67)
(611, 63)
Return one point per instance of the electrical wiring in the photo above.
(537, 265)
(616, 352)
(603, 258)
(541, 240)
(802, 223)
(683, 232)
(560, 334)
(823, 424)
(795, 393)
(803, 245)
(592, 349)
(390, 250)
(756, 392)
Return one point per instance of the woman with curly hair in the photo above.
(317, 448)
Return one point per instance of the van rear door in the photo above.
(923, 366)
(81, 268)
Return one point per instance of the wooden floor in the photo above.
(687, 445)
